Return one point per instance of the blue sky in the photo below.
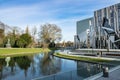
(63, 13)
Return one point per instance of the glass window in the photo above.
(118, 18)
(119, 27)
(105, 11)
(112, 14)
(99, 18)
(118, 6)
(118, 12)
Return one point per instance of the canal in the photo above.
(42, 65)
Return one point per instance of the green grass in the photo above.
(80, 58)
(20, 51)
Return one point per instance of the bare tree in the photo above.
(50, 33)
(27, 30)
(34, 32)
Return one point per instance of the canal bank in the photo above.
(48, 67)
(41, 65)
(84, 58)
(5, 52)
(113, 74)
(85, 71)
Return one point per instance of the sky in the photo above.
(63, 13)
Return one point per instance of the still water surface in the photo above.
(40, 65)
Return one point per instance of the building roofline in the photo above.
(85, 19)
(106, 7)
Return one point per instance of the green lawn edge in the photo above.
(86, 59)
(4, 52)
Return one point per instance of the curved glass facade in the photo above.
(82, 38)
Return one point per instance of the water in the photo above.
(40, 65)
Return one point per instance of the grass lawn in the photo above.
(80, 58)
(20, 51)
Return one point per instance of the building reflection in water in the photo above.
(88, 69)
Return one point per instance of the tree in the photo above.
(49, 65)
(24, 63)
(69, 44)
(13, 36)
(50, 33)
(34, 31)
(1, 37)
(12, 40)
(21, 43)
(24, 40)
(16, 30)
(52, 44)
(27, 30)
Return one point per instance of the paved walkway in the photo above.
(106, 58)
(115, 50)
(115, 75)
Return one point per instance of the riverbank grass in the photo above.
(20, 51)
(66, 56)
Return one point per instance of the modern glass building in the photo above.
(107, 27)
(104, 29)
(82, 39)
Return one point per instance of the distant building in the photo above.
(80, 39)
(107, 27)
(2, 29)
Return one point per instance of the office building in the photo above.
(107, 27)
(82, 39)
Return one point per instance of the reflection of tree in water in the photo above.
(31, 58)
(2, 63)
(49, 65)
(12, 64)
(24, 63)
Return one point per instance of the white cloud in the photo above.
(64, 13)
